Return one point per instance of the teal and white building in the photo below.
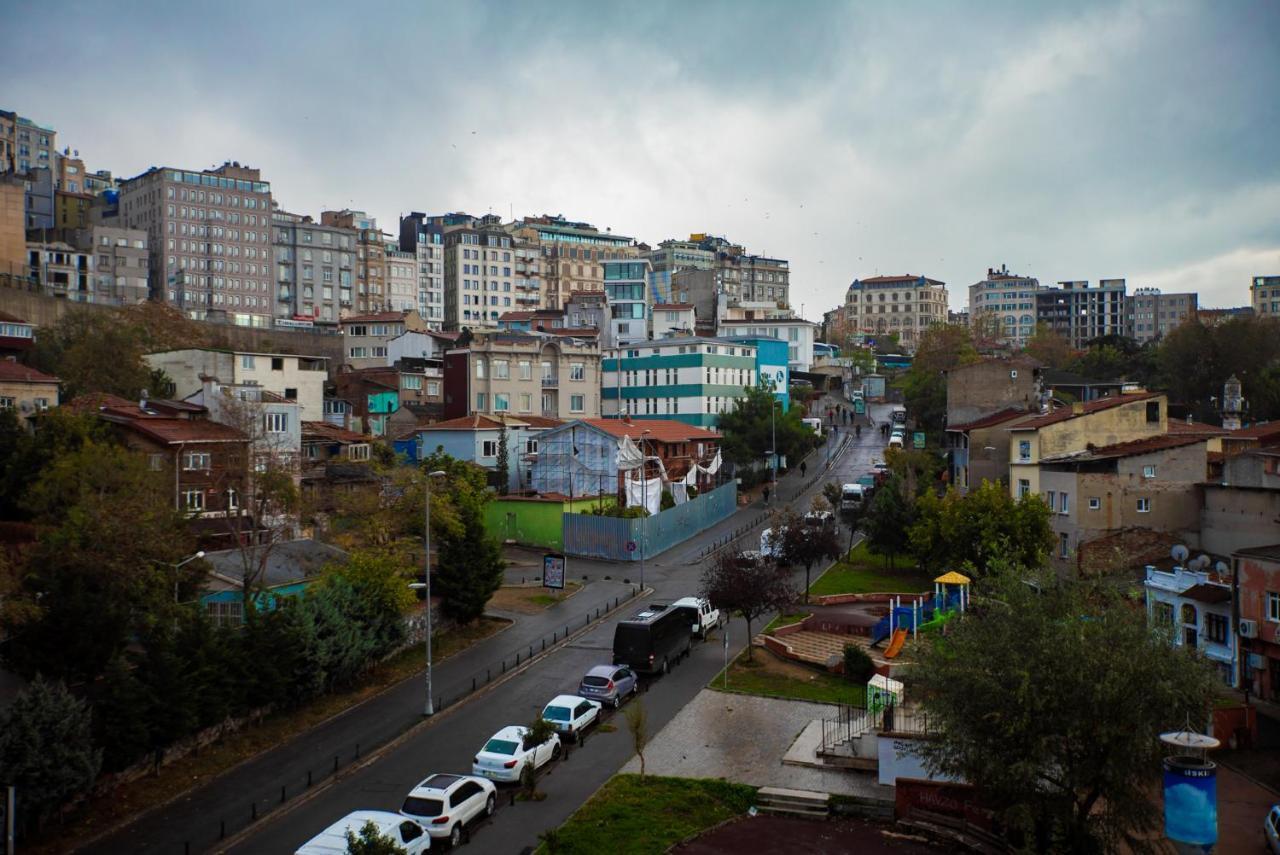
(687, 379)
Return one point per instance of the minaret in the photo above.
(1232, 404)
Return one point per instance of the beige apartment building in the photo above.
(1153, 315)
(13, 231)
(24, 145)
(210, 238)
(520, 374)
(1265, 294)
(572, 255)
(370, 267)
(400, 276)
(905, 305)
(291, 376)
(26, 391)
(479, 273)
(365, 338)
(121, 263)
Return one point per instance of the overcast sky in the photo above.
(1070, 141)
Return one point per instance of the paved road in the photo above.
(448, 742)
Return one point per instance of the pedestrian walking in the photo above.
(802, 468)
(766, 495)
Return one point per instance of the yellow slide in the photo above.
(895, 644)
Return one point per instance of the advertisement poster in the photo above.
(1190, 802)
(553, 570)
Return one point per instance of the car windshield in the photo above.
(501, 746)
(557, 713)
(600, 682)
(417, 806)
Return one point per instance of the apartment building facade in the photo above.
(626, 288)
(291, 376)
(1151, 315)
(520, 374)
(314, 269)
(209, 233)
(61, 270)
(572, 254)
(424, 237)
(1002, 307)
(1080, 312)
(479, 273)
(692, 380)
(26, 145)
(121, 262)
(906, 305)
(366, 338)
(26, 391)
(1265, 294)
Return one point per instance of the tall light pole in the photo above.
(644, 490)
(429, 709)
(179, 566)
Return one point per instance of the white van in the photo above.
(895, 441)
(814, 424)
(851, 497)
(705, 617)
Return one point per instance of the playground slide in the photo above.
(895, 646)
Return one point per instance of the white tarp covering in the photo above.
(644, 494)
(629, 456)
(714, 467)
(691, 478)
(678, 492)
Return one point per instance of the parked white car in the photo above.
(446, 804)
(572, 714)
(706, 617)
(507, 752)
(407, 833)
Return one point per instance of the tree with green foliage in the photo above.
(924, 385)
(804, 543)
(1049, 347)
(888, 520)
(746, 585)
(746, 431)
(858, 665)
(120, 716)
(1050, 699)
(470, 564)
(102, 564)
(382, 584)
(91, 350)
(538, 732)
(1195, 361)
(24, 454)
(967, 532)
(46, 747)
(503, 467)
(370, 841)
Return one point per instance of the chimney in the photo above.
(1077, 408)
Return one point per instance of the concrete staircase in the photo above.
(793, 802)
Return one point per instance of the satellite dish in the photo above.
(1202, 561)
(1221, 567)
(1180, 553)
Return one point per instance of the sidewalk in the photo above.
(353, 733)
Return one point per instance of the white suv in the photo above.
(444, 804)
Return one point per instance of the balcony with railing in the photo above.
(550, 381)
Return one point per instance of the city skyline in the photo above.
(1069, 144)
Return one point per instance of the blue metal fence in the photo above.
(607, 537)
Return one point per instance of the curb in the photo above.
(377, 754)
(158, 806)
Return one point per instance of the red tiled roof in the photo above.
(1065, 413)
(541, 421)
(1195, 428)
(12, 372)
(333, 433)
(661, 430)
(1135, 447)
(1258, 431)
(1000, 417)
(673, 306)
(475, 421)
(373, 318)
(12, 319)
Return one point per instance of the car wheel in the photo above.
(617, 701)
(455, 836)
(555, 752)
(490, 805)
(666, 666)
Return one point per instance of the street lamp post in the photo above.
(179, 566)
(429, 709)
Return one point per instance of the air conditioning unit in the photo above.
(1248, 629)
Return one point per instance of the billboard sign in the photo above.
(553, 570)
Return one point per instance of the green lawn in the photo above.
(863, 572)
(638, 815)
(772, 677)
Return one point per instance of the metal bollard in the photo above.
(308, 779)
(357, 750)
(473, 684)
(517, 658)
(504, 666)
(544, 644)
(513, 798)
(530, 656)
(282, 794)
(487, 675)
(254, 812)
(335, 762)
(222, 829)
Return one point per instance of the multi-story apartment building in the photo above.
(291, 376)
(314, 269)
(626, 287)
(479, 272)
(401, 277)
(673, 255)
(1265, 291)
(61, 270)
(366, 338)
(522, 374)
(906, 305)
(121, 261)
(1081, 313)
(71, 210)
(13, 228)
(573, 254)
(1002, 307)
(24, 145)
(749, 286)
(41, 195)
(424, 237)
(210, 239)
(370, 262)
(690, 379)
(1151, 315)
(798, 334)
(26, 391)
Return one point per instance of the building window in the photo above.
(1144, 506)
(1149, 471)
(410, 381)
(480, 401)
(1094, 503)
(193, 500)
(196, 460)
(1051, 499)
(526, 402)
(155, 462)
(275, 422)
(1153, 412)
(7, 403)
(577, 403)
(1215, 627)
(1063, 545)
(577, 371)
(1064, 503)
(501, 371)
(246, 361)
(277, 363)
(358, 452)
(433, 389)
(1024, 449)
(501, 402)
(1273, 606)
(233, 499)
(1024, 487)
(1163, 615)
(530, 446)
(526, 369)
(489, 448)
(480, 369)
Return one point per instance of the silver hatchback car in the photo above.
(608, 684)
